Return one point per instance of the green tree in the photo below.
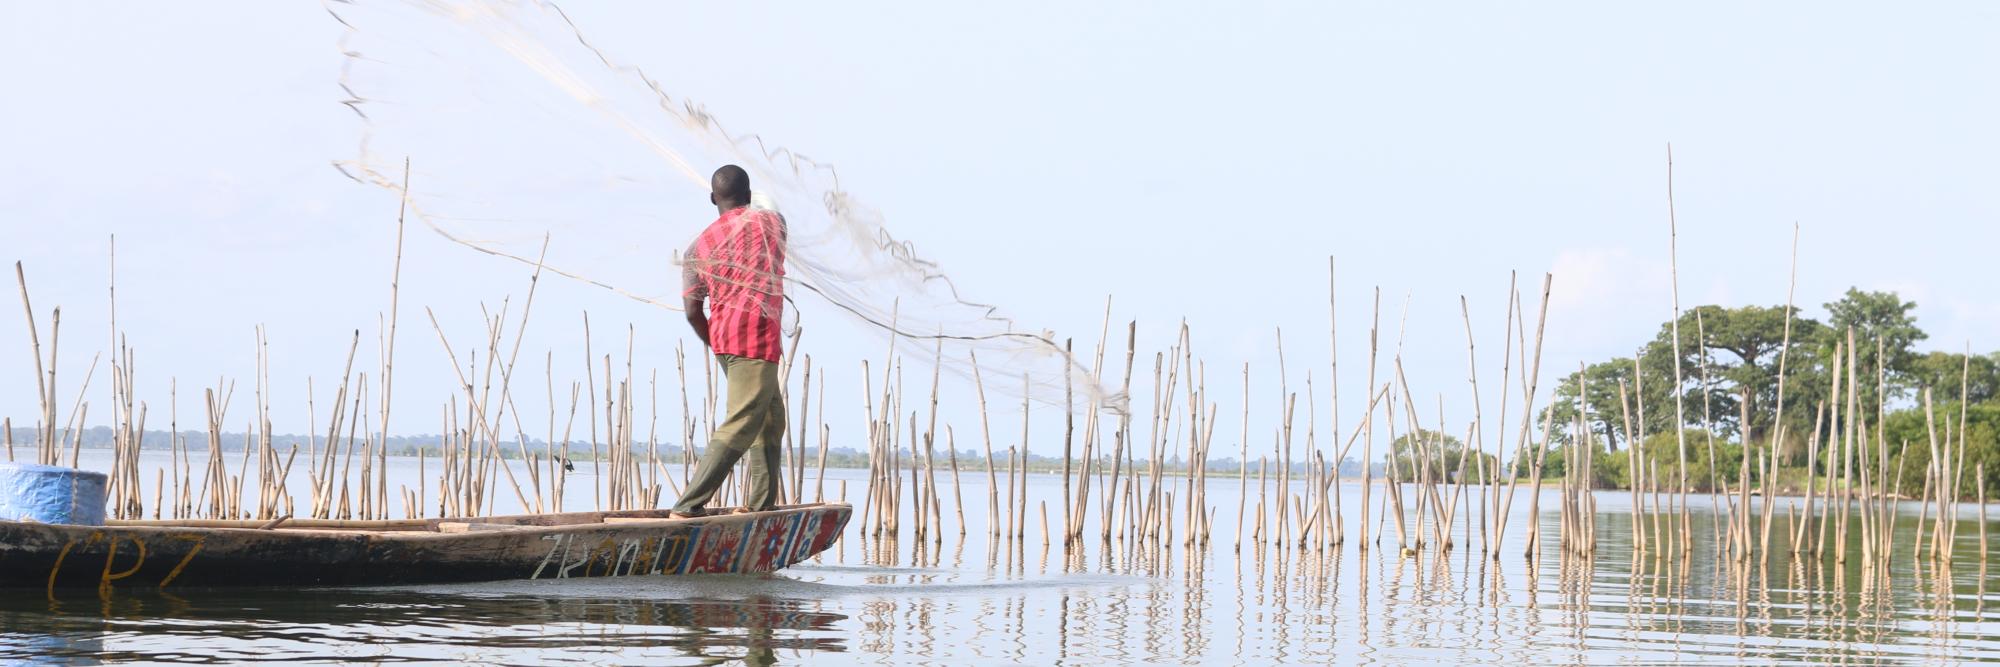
(1609, 470)
(1444, 453)
(1908, 434)
(1948, 375)
(1606, 413)
(1885, 331)
(1743, 349)
(1705, 472)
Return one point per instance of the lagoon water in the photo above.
(975, 600)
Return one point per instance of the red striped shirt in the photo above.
(738, 265)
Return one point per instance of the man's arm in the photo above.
(697, 317)
(694, 295)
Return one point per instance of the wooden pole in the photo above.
(44, 389)
(1069, 437)
(1045, 523)
(1021, 530)
(799, 443)
(986, 438)
(1368, 420)
(1532, 377)
(1979, 479)
(825, 442)
(951, 442)
(1812, 456)
(1012, 517)
(389, 344)
(1673, 267)
(1338, 530)
(1778, 422)
(1119, 452)
(1496, 520)
(1243, 461)
(1476, 438)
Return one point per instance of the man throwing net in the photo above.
(736, 269)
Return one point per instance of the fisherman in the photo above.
(733, 287)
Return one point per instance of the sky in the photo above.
(1190, 161)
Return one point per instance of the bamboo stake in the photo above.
(1338, 533)
(1833, 446)
(805, 415)
(1257, 532)
(1812, 454)
(1939, 465)
(1930, 479)
(1021, 530)
(986, 438)
(874, 446)
(1534, 550)
(1045, 523)
(79, 411)
(951, 442)
(389, 344)
(1496, 520)
(825, 435)
(1673, 264)
(1531, 376)
(44, 391)
(117, 479)
(1476, 437)
(1777, 424)
(1069, 438)
(1199, 499)
(1393, 477)
(1368, 421)
(917, 487)
(1012, 518)
(1073, 531)
(1958, 457)
(1243, 461)
(1119, 452)
(1287, 403)
(1635, 458)
(1979, 479)
(1769, 493)
(1847, 454)
(1742, 524)
(687, 413)
(930, 441)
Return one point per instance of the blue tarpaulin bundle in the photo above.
(48, 494)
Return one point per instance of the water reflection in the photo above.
(976, 599)
(409, 625)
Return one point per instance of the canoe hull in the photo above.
(159, 555)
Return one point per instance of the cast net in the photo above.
(534, 144)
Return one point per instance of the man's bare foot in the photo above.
(677, 514)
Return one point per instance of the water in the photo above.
(972, 600)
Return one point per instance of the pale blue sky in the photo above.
(1196, 160)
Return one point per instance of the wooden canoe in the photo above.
(199, 554)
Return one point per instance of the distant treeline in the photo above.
(100, 437)
(1729, 391)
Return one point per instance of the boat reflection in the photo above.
(223, 626)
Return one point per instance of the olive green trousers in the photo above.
(754, 424)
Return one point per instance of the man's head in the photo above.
(729, 188)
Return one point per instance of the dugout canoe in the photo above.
(167, 555)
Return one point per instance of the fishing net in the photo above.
(533, 144)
